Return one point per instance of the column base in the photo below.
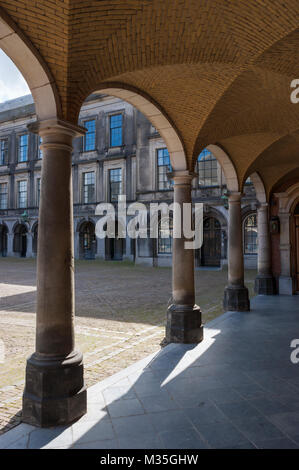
(286, 285)
(264, 285)
(236, 299)
(54, 391)
(184, 324)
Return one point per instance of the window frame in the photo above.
(110, 116)
(205, 152)
(245, 252)
(19, 206)
(20, 147)
(162, 241)
(84, 186)
(169, 182)
(120, 182)
(6, 205)
(4, 161)
(84, 149)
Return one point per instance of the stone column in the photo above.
(29, 237)
(10, 237)
(235, 294)
(54, 390)
(264, 282)
(183, 316)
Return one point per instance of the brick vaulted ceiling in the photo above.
(219, 69)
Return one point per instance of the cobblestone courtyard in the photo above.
(120, 316)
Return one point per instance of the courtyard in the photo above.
(120, 318)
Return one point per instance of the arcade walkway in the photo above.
(236, 389)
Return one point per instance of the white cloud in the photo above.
(12, 83)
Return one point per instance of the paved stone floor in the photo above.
(120, 317)
(237, 389)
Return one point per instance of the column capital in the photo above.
(56, 126)
(182, 176)
(263, 206)
(234, 196)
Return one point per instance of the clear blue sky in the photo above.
(12, 83)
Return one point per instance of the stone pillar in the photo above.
(54, 389)
(264, 282)
(29, 237)
(183, 316)
(10, 237)
(235, 294)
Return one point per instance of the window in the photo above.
(3, 195)
(88, 187)
(22, 194)
(116, 128)
(37, 191)
(40, 152)
(164, 167)
(23, 148)
(115, 181)
(250, 235)
(3, 151)
(90, 136)
(207, 169)
(165, 233)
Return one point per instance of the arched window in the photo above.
(165, 233)
(207, 169)
(250, 234)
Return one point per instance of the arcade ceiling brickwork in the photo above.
(220, 71)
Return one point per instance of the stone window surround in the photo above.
(21, 177)
(18, 140)
(154, 145)
(3, 137)
(82, 120)
(107, 115)
(5, 179)
(87, 168)
(113, 165)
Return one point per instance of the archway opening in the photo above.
(87, 241)
(20, 240)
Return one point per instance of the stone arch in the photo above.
(32, 66)
(87, 239)
(20, 231)
(293, 196)
(213, 212)
(34, 226)
(20, 222)
(259, 187)
(80, 223)
(227, 166)
(153, 112)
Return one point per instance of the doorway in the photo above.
(211, 248)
